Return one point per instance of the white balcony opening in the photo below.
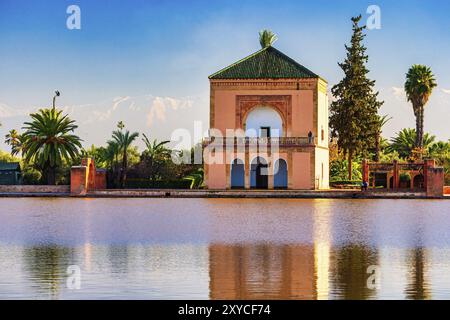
(261, 118)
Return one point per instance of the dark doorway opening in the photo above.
(265, 132)
(259, 174)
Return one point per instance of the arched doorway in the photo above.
(280, 179)
(259, 174)
(405, 181)
(418, 182)
(237, 174)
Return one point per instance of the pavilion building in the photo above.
(269, 125)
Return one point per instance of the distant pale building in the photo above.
(278, 111)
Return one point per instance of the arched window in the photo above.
(280, 179)
(237, 174)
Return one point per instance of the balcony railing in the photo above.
(250, 141)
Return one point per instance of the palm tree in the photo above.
(155, 154)
(48, 140)
(15, 140)
(381, 122)
(405, 142)
(419, 85)
(267, 38)
(155, 148)
(124, 141)
(110, 155)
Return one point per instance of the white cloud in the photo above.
(160, 106)
(399, 93)
(6, 111)
(119, 100)
(446, 91)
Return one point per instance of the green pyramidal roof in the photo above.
(267, 63)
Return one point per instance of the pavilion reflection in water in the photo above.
(289, 272)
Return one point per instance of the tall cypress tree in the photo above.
(354, 113)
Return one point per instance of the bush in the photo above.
(339, 170)
(31, 176)
(346, 182)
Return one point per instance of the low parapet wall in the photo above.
(34, 189)
(290, 194)
(447, 190)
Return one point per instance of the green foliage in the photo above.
(31, 176)
(15, 140)
(339, 170)
(379, 143)
(389, 157)
(267, 38)
(99, 154)
(196, 179)
(405, 140)
(155, 158)
(7, 157)
(354, 114)
(440, 151)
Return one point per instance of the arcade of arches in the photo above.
(260, 174)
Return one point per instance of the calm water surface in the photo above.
(225, 248)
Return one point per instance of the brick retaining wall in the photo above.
(34, 189)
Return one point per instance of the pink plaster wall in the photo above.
(225, 110)
(217, 176)
(301, 171)
(302, 113)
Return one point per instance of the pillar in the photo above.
(428, 164)
(396, 175)
(435, 179)
(365, 171)
(78, 183)
(247, 166)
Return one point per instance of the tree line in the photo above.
(48, 147)
(356, 126)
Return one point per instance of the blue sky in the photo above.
(147, 62)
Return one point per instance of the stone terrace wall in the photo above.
(34, 189)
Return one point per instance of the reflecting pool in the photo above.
(224, 249)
